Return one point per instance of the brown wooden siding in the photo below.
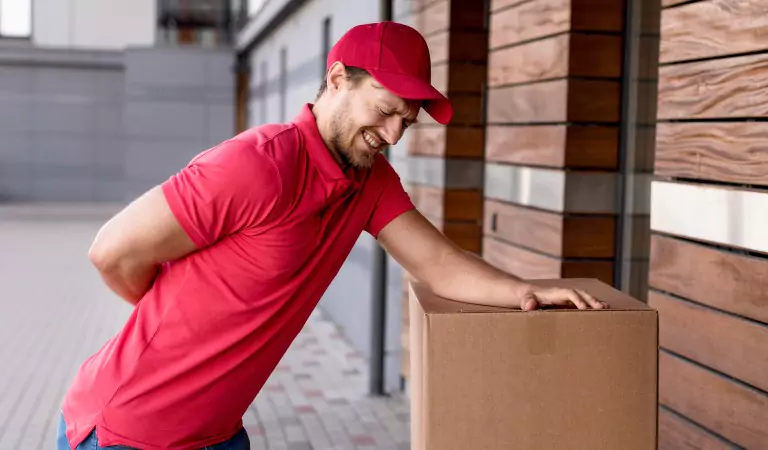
(553, 102)
(711, 296)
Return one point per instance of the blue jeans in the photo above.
(239, 441)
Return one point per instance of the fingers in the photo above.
(576, 299)
(529, 303)
(559, 296)
(591, 301)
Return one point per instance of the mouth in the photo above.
(372, 141)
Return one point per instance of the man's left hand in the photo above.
(538, 297)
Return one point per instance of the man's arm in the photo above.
(453, 273)
(129, 248)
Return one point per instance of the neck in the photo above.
(323, 118)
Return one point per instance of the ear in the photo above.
(336, 77)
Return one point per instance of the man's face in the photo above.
(366, 119)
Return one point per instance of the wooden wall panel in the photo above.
(520, 262)
(539, 18)
(726, 151)
(446, 141)
(589, 236)
(553, 101)
(527, 264)
(434, 17)
(731, 410)
(666, 3)
(457, 45)
(467, 111)
(439, 47)
(579, 55)
(537, 60)
(537, 230)
(724, 280)
(551, 233)
(533, 145)
(711, 337)
(602, 270)
(427, 140)
(730, 87)
(678, 433)
(575, 146)
(711, 297)
(499, 4)
(713, 28)
(452, 79)
(447, 204)
(575, 100)
(467, 235)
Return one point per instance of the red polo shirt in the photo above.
(274, 218)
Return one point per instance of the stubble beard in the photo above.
(346, 151)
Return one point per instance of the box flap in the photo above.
(619, 301)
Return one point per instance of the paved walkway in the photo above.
(55, 311)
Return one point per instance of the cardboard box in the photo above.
(485, 378)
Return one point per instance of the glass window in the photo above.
(16, 18)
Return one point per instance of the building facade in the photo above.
(593, 138)
(101, 100)
(618, 140)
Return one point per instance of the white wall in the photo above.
(302, 34)
(93, 24)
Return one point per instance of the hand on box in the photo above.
(538, 297)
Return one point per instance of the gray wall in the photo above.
(60, 124)
(178, 102)
(348, 301)
(106, 126)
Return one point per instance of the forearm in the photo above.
(129, 280)
(466, 277)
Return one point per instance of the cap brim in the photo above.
(412, 88)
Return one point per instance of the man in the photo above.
(226, 260)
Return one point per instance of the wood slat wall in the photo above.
(553, 102)
(460, 75)
(457, 36)
(711, 296)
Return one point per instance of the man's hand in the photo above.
(130, 247)
(538, 297)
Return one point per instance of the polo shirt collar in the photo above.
(318, 152)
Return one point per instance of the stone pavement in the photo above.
(55, 311)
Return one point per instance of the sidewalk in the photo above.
(55, 311)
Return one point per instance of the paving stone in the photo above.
(315, 399)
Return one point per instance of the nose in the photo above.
(393, 129)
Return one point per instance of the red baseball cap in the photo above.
(397, 56)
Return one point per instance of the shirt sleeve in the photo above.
(393, 200)
(225, 189)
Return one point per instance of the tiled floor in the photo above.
(317, 399)
(55, 311)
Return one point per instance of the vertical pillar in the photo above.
(445, 163)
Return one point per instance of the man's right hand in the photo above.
(130, 247)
